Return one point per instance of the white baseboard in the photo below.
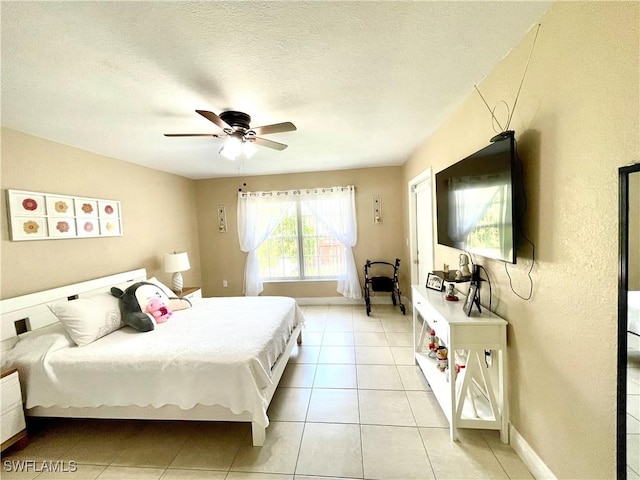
(329, 301)
(386, 300)
(529, 457)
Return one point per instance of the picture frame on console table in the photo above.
(468, 303)
(434, 282)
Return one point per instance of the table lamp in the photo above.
(175, 263)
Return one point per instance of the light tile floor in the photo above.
(351, 405)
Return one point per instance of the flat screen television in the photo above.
(477, 201)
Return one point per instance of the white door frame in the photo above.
(413, 246)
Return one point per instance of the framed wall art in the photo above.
(49, 216)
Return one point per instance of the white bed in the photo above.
(220, 360)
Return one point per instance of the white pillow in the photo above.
(88, 319)
(124, 285)
(168, 292)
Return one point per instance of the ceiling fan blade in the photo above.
(191, 135)
(269, 144)
(275, 128)
(212, 117)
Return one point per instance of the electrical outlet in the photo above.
(225, 284)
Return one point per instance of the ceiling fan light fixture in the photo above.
(248, 149)
(232, 148)
(242, 139)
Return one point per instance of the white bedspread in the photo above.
(633, 309)
(220, 352)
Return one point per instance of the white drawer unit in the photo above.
(476, 397)
(12, 424)
(191, 292)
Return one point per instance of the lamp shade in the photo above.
(176, 262)
(232, 147)
(237, 146)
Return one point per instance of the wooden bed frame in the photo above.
(19, 315)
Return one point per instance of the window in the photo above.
(299, 248)
(292, 223)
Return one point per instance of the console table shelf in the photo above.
(450, 276)
(469, 399)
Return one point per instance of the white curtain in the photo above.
(260, 212)
(258, 216)
(337, 212)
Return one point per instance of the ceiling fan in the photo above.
(241, 137)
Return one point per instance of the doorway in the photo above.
(421, 227)
(628, 414)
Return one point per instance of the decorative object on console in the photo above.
(442, 356)
(464, 266)
(434, 282)
(47, 216)
(433, 343)
(176, 263)
(472, 297)
(451, 293)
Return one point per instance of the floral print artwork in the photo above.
(62, 227)
(45, 216)
(87, 208)
(107, 209)
(61, 207)
(30, 227)
(29, 204)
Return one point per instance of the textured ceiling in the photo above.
(364, 82)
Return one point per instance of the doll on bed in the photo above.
(144, 304)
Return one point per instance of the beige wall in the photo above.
(576, 122)
(158, 216)
(221, 255)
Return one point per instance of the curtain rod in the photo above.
(302, 191)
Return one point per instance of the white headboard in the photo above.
(30, 312)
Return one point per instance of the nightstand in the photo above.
(190, 293)
(14, 428)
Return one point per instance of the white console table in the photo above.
(468, 399)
